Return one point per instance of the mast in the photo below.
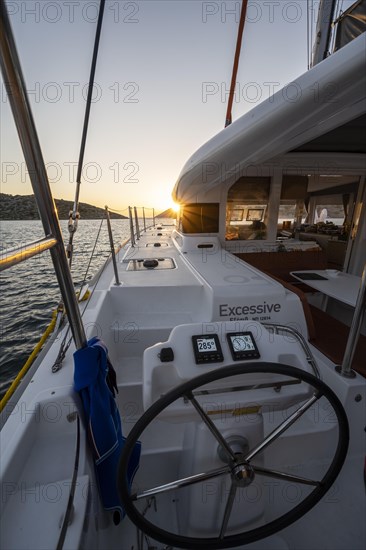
(323, 30)
(228, 119)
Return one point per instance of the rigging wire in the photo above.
(74, 215)
(307, 33)
(92, 254)
(66, 342)
(228, 119)
(337, 16)
(311, 31)
(117, 211)
(331, 33)
(142, 207)
(65, 345)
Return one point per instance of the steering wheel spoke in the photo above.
(284, 476)
(228, 509)
(211, 426)
(275, 434)
(184, 482)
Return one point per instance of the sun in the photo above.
(175, 207)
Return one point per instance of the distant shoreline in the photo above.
(23, 207)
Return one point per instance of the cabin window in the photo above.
(331, 210)
(199, 218)
(292, 211)
(246, 209)
(332, 200)
(330, 215)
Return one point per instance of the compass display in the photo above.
(207, 349)
(206, 344)
(242, 345)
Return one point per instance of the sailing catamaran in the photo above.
(239, 417)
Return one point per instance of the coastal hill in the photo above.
(167, 214)
(23, 207)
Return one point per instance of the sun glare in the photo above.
(175, 207)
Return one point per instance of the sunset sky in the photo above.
(162, 78)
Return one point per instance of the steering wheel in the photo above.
(239, 465)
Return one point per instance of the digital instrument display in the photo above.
(206, 344)
(207, 349)
(242, 345)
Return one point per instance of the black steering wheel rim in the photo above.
(257, 533)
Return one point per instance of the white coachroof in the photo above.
(324, 98)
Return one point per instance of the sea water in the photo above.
(29, 291)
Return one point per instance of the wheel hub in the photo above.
(242, 473)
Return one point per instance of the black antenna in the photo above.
(74, 214)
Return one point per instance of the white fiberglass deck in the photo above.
(207, 283)
(208, 291)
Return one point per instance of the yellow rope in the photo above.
(34, 354)
(29, 362)
(85, 296)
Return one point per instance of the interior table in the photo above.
(336, 284)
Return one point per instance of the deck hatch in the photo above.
(143, 264)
